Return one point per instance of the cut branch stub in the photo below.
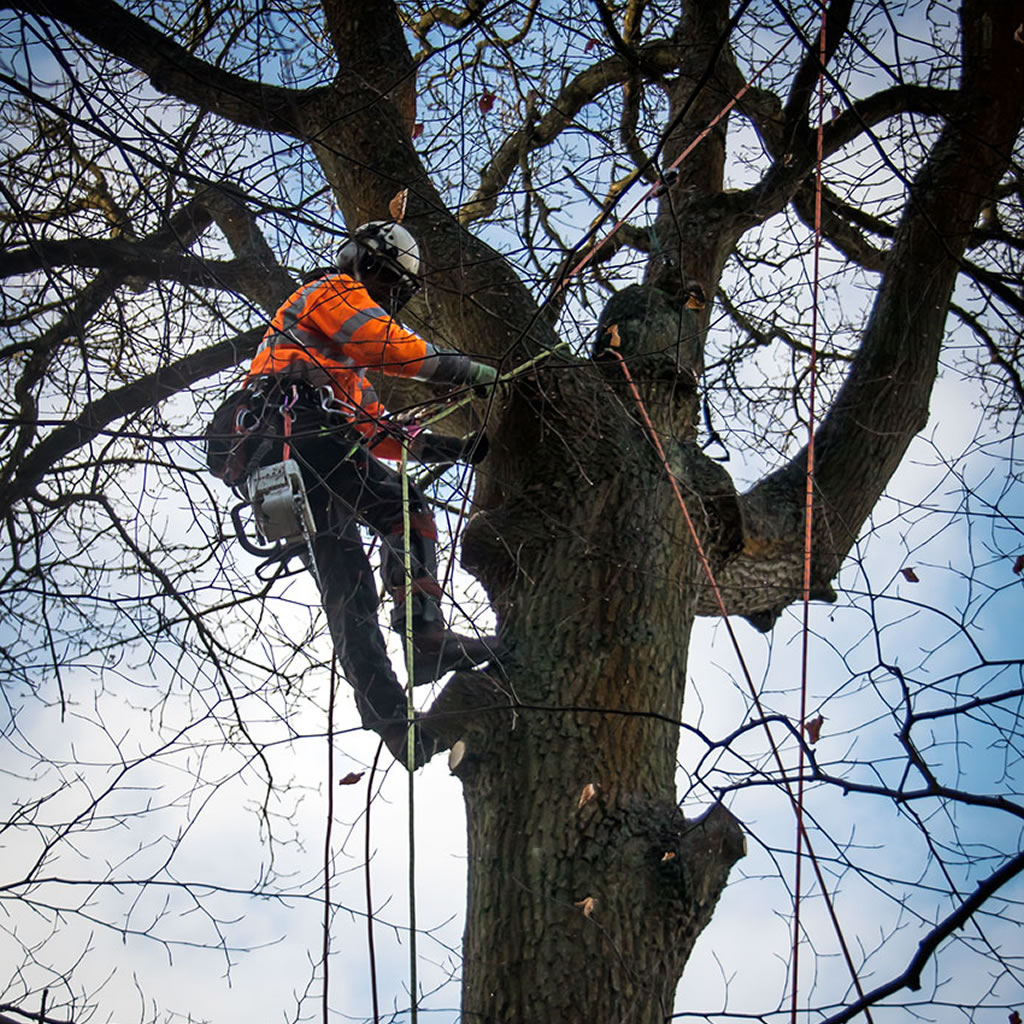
(658, 336)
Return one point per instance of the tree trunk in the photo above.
(587, 887)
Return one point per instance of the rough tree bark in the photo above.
(587, 887)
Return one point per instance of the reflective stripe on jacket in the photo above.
(331, 332)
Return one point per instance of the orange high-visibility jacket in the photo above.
(331, 332)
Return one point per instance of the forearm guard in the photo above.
(455, 368)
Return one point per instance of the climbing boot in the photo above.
(425, 743)
(438, 651)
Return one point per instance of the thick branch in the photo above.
(439, 15)
(689, 232)
(96, 416)
(836, 19)
(911, 977)
(987, 279)
(256, 273)
(843, 235)
(792, 165)
(173, 70)
(884, 401)
(367, 32)
(127, 258)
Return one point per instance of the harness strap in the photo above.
(288, 417)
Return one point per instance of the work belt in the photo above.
(237, 438)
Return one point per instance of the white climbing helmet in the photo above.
(385, 257)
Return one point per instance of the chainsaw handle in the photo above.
(269, 552)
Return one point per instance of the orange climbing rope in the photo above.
(808, 523)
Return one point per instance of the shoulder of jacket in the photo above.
(317, 274)
(342, 284)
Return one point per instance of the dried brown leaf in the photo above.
(1014, 1017)
(588, 794)
(587, 905)
(813, 728)
(695, 297)
(1018, 566)
(909, 575)
(486, 102)
(614, 341)
(397, 206)
(667, 855)
(351, 779)
(1019, 37)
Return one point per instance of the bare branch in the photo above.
(173, 70)
(926, 948)
(115, 405)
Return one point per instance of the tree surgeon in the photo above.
(309, 399)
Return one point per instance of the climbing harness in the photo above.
(273, 494)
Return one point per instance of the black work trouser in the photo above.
(348, 487)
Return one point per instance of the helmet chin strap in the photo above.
(399, 294)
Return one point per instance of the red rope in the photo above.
(808, 523)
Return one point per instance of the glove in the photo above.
(472, 448)
(480, 376)
(475, 447)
